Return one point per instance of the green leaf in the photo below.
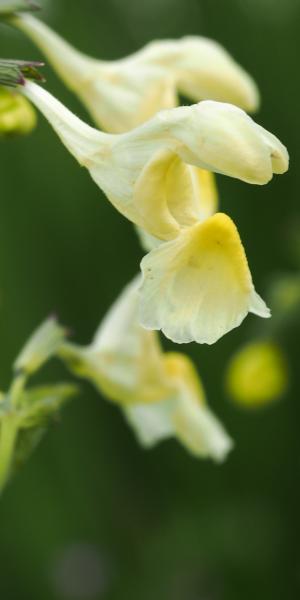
(21, 430)
(41, 346)
(40, 404)
(28, 439)
(9, 8)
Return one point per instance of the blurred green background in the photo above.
(92, 515)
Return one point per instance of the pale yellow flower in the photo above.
(160, 394)
(124, 360)
(257, 374)
(132, 168)
(124, 93)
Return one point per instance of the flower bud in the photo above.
(17, 116)
(41, 346)
(257, 374)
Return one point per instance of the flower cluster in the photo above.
(196, 281)
(155, 161)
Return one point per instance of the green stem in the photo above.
(8, 434)
(16, 389)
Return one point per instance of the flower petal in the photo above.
(147, 241)
(195, 425)
(183, 415)
(170, 194)
(198, 287)
(201, 432)
(151, 423)
(208, 72)
(204, 70)
(223, 138)
(203, 193)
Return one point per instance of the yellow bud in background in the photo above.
(257, 374)
(17, 116)
(285, 293)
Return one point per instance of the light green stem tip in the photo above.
(8, 434)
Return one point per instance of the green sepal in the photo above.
(40, 407)
(43, 344)
(14, 72)
(10, 8)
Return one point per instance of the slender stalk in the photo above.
(9, 429)
(16, 389)
(8, 434)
